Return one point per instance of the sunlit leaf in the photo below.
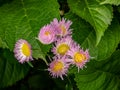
(23, 19)
(113, 2)
(99, 16)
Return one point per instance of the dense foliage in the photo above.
(96, 26)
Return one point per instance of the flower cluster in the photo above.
(67, 52)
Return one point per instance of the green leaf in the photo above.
(10, 69)
(23, 19)
(99, 16)
(84, 34)
(100, 75)
(113, 2)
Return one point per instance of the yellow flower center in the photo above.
(78, 57)
(26, 49)
(63, 29)
(58, 66)
(47, 33)
(62, 49)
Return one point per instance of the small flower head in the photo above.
(22, 51)
(62, 27)
(62, 46)
(79, 57)
(58, 67)
(46, 34)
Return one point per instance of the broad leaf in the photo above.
(23, 19)
(99, 16)
(113, 2)
(100, 75)
(84, 34)
(10, 70)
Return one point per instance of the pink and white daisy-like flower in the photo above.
(46, 34)
(58, 67)
(62, 27)
(79, 57)
(22, 51)
(62, 46)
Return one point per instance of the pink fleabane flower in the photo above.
(62, 27)
(79, 57)
(22, 51)
(62, 46)
(58, 67)
(46, 34)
